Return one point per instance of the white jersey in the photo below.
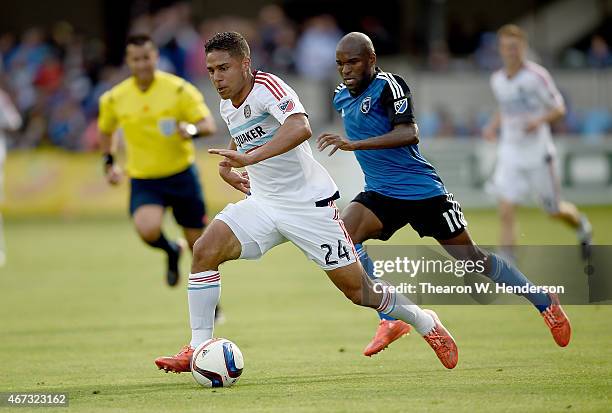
(291, 177)
(529, 94)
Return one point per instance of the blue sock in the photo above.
(504, 273)
(368, 265)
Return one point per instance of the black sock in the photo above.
(163, 243)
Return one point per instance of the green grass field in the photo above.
(84, 310)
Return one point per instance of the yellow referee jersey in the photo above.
(147, 120)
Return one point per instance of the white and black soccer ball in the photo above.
(217, 363)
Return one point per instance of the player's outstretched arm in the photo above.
(402, 134)
(294, 131)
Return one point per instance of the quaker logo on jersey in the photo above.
(401, 106)
(247, 111)
(249, 135)
(286, 106)
(365, 105)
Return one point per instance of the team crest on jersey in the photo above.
(167, 126)
(401, 106)
(286, 106)
(247, 111)
(365, 105)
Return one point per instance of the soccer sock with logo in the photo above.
(368, 266)
(163, 244)
(204, 290)
(401, 308)
(504, 273)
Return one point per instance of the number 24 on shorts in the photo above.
(342, 253)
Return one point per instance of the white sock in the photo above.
(204, 290)
(398, 306)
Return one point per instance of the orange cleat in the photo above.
(557, 321)
(442, 342)
(387, 332)
(178, 364)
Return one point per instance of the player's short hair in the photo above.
(232, 42)
(512, 30)
(139, 39)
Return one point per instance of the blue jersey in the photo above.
(396, 172)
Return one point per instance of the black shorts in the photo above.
(182, 192)
(439, 217)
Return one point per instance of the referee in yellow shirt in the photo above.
(157, 114)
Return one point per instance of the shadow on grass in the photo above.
(169, 386)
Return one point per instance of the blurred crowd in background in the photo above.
(56, 75)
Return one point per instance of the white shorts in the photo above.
(520, 184)
(317, 231)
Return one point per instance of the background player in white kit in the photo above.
(10, 120)
(528, 102)
(291, 199)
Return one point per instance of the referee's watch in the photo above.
(192, 130)
(109, 161)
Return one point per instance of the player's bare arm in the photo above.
(238, 180)
(293, 132)
(403, 134)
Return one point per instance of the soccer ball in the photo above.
(217, 363)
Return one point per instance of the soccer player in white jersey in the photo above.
(290, 198)
(10, 120)
(528, 102)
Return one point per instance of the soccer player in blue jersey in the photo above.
(401, 186)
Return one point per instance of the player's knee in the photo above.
(148, 233)
(506, 214)
(207, 255)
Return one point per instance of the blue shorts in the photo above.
(181, 192)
